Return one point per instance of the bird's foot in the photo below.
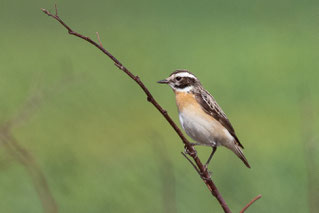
(188, 152)
(203, 174)
(206, 169)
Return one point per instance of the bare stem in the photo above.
(250, 203)
(98, 38)
(190, 149)
(23, 156)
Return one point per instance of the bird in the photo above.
(201, 117)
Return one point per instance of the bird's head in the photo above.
(181, 81)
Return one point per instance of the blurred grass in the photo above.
(93, 140)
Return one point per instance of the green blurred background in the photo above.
(103, 148)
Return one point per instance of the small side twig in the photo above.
(191, 162)
(98, 38)
(250, 203)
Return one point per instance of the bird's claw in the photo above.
(206, 170)
(188, 152)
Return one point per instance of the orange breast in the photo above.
(187, 104)
(199, 125)
(186, 100)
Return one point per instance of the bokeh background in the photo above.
(88, 129)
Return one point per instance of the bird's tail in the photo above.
(237, 150)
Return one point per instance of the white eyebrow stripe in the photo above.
(184, 74)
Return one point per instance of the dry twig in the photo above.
(250, 203)
(24, 157)
(189, 148)
(21, 154)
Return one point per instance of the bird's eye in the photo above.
(178, 78)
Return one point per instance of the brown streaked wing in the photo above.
(210, 106)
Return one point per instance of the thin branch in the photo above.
(250, 203)
(192, 152)
(190, 149)
(56, 10)
(25, 158)
(20, 153)
(191, 162)
(98, 38)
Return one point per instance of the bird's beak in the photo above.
(165, 81)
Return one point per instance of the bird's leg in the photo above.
(211, 156)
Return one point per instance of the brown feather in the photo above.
(210, 106)
(241, 155)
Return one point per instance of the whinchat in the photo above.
(200, 115)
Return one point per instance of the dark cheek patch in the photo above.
(185, 82)
(181, 86)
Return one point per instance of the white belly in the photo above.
(204, 131)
